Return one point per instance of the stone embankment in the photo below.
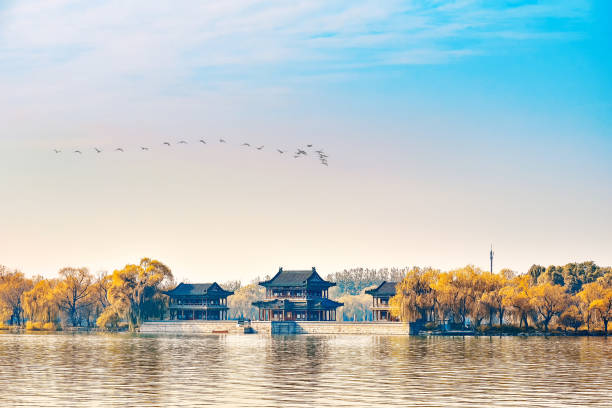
(233, 327)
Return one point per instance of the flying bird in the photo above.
(260, 147)
(309, 145)
(280, 151)
(319, 151)
(97, 150)
(57, 151)
(202, 141)
(144, 148)
(182, 142)
(119, 149)
(222, 141)
(167, 144)
(246, 144)
(299, 151)
(78, 151)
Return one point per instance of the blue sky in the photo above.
(450, 125)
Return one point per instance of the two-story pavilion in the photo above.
(198, 301)
(381, 310)
(297, 295)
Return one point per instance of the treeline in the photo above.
(570, 297)
(80, 298)
(354, 281)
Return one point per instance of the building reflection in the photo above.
(294, 365)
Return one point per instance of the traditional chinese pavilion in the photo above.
(198, 301)
(381, 310)
(297, 295)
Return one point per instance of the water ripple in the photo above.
(61, 370)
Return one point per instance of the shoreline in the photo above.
(301, 328)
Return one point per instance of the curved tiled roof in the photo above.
(198, 289)
(384, 289)
(296, 279)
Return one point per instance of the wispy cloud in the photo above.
(85, 47)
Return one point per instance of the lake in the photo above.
(58, 370)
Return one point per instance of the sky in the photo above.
(449, 126)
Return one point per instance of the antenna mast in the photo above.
(491, 256)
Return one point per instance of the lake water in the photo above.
(59, 370)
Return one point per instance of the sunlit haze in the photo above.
(449, 126)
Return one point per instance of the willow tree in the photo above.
(599, 297)
(493, 296)
(516, 298)
(135, 293)
(572, 317)
(40, 303)
(415, 296)
(12, 286)
(241, 302)
(72, 291)
(548, 300)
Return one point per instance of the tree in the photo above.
(548, 300)
(40, 303)
(493, 297)
(12, 286)
(72, 291)
(572, 317)
(354, 281)
(415, 296)
(602, 304)
(97, 298)
(589, 293)
(457, 290)
(241, 302)
(135, 293)
(355, 307)
(535, 271)
(516, 297)
(231, 286)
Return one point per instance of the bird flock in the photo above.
(300, 151)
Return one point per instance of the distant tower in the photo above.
(491, 256)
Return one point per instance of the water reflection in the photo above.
(302, 371)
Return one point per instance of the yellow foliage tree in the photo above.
(548, 300)
(590, 293)
(603, 306)
(72, 291)
(456, 292)
(135, 293)
(516, 298)
(493, 296)
(40, 304)
(415, 296)
(12, 286)
(572, 317)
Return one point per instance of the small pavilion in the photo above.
(297, 295)
(381, 310)
(198, 301)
